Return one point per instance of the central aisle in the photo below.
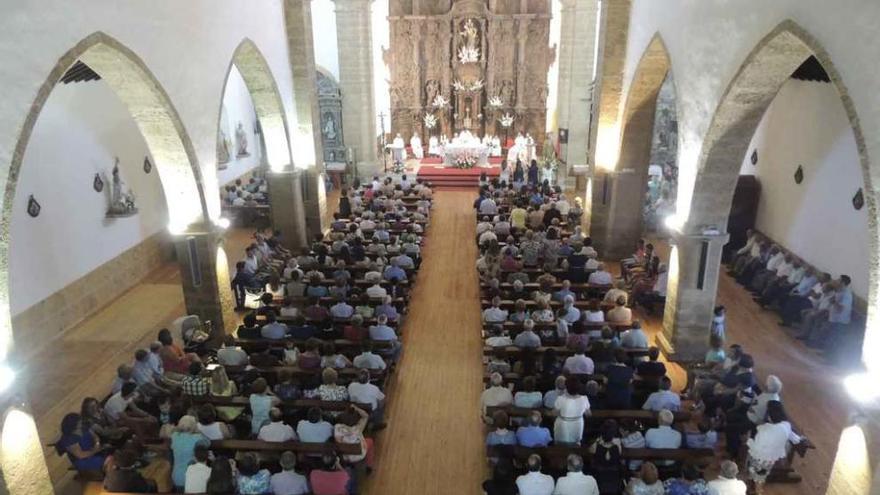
(434, 440)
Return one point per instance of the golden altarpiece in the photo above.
(475, 65)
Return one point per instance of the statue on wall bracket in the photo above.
(121, 197)
(241, 141)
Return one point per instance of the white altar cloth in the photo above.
(451, 152)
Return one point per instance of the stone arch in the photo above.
(619, 226)
(737, 115)
(751, 90)
(266, 98)
(158, 121)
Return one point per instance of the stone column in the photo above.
(694, 266)
(286, 199)
(355, 44)
(576, 51)
(617, 225)
(204, 274)
(23, 469)
(608, 87)
(300, 46)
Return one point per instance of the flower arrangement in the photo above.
(506, 120)
(495, 101)
(467, 55)
(430, 121)
(474, 86)
(398, 168)
(466, 159)
(440, 101)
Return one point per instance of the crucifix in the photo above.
(384, 142)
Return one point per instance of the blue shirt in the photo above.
(382, 332)
(256, 484)
(662, 399)
(388, 310)
(182, 449)
(806, 283)
(560, 294)
(533, 436)
(317, 291)
(274, 331)
(506, 438)
(394, 272)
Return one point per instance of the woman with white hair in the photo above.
(183, 443)
(496, 395)
(746, 416)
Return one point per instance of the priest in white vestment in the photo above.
(398, 149)
(434, 146)
(415, 142)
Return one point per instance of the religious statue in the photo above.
(506, 92)
(222, 148)
(470, 51)
(241, 141)
(121, 198)
(329, 127)
(432, 89)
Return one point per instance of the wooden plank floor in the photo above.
(434, 441)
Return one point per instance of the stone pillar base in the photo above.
(204, 274)
(694, 267)
(315, 202)
(286, 199)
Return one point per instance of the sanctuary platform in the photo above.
(443, 177)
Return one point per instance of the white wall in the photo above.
(708, 40)
(381, 73)
(81, 130)
(238, 107)
(324, 33)
(553, 71)
(806, 125)
(186, 45)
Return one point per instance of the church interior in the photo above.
(382, 247)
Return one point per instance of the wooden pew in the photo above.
(530, 303)
(597, 416)
(533, 286)
(515, 328)
(346, 375)
(238, 401)
(561, 351)
(556, 455)
(344, 346)
(288, 320)
(298, 447)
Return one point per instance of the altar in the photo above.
(466, 147)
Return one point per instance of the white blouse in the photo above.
(771, 441)
(570, 407)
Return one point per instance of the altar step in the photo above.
(446, 178)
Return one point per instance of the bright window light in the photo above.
(7, 376)
(862, 387)
(672, 222)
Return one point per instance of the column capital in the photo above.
(680, 238)
(198, 229)
(352, 5)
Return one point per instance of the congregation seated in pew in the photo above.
(257, 393)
